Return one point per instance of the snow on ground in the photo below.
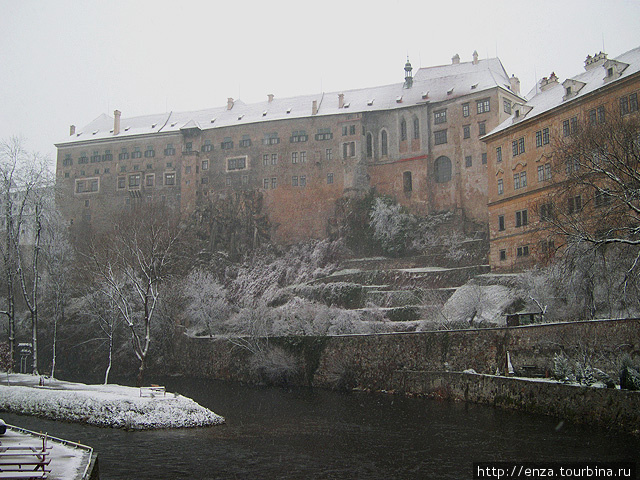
(101, 405)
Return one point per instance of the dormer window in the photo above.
(613, 69)
(610, 72)
(568, 91)
(571, 88)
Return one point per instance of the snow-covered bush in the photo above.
(391, 225)
(275, 366)
(206, 304)
(341, 294)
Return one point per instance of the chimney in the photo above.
(116, 122)
(72, 130)
(340, 100)
(270, 96)
(455, 60)
(475, 57)
(229, 103)
(514, 83)
(314, 107)
(595, 61)
(547, 83)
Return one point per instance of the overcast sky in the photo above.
(67, 62)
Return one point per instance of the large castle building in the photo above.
(525, 172)
(417, 140)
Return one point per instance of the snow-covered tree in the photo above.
(206, 303)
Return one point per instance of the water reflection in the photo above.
(301, 434)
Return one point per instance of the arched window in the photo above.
(403, 129)
(443, 169)
(416, 128)
(369, 145)
(384, 149)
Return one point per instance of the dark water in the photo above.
(307, 434)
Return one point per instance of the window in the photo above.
(482, 128)
(68, 161)
(303, 181)
(228, 181)
(566, 131)
(205, 165)
(348, 149)
(484, 158)
(403, 129)
(442, 169)
(384, 148)
(246, 141)
(522, 251)
(134, 180)
(187, 169)
(327, 154)
(265, 159)
(465, 109)
(149, 180)
(329, 178)
(170, 178)
(506, 105)
(633, 102)
(299, 136)
(274, 159)
(503, 255)
(265, 184)
(345, 130)
(303, 157)
(440, 117)
(624, 105)
(592, 116)
(149, 166)
(207, 147)
(546, 212)
(602, 198)
(226, 144)
(574, 204)
(570, 126)
(83, 158)
(500, 186)
(467, 161)
(107, 157)
(521, 218)
(602, 114)
(547, 246)
(123, 155)
(514, 148)
(169, 150)
(137, 153)
(498, 154)
(416, 128)
(324, 134)
(369, 145)
(539, 138)
(274, 182)
(121, 182)
(573, 121)
(352, 129)
(440, 137)
(67, 175)
(245, 179)
(294, 157)
(545, 136)
(149, 152)
(407, 183)
(483, 106)
(521, 146)
(204, 180)
(466, 131)
(501, 222)
(169, 164)
(81, 186)
(294, 181)
(237, 163)
(544, 172)
(572, 165)
(271, 139)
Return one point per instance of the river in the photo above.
(273, 433)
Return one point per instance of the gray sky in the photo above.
(65, 62)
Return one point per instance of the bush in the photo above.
(274, 366)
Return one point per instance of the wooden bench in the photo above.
(18, 475)
(152, 391)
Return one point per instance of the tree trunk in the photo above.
(141, 372)
(106, 374)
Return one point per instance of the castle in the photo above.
(418, 140)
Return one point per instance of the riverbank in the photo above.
(113, 406)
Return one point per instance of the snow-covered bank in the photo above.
(101, 405)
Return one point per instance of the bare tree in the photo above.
(130, 264)
(597, 173)
(25, 187)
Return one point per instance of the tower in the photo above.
(408, 75)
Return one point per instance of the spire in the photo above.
(408, 76)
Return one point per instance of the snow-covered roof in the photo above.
(431, 84)
(588, 81)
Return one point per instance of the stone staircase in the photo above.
(409, 289)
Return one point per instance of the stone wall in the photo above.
(431, 362)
